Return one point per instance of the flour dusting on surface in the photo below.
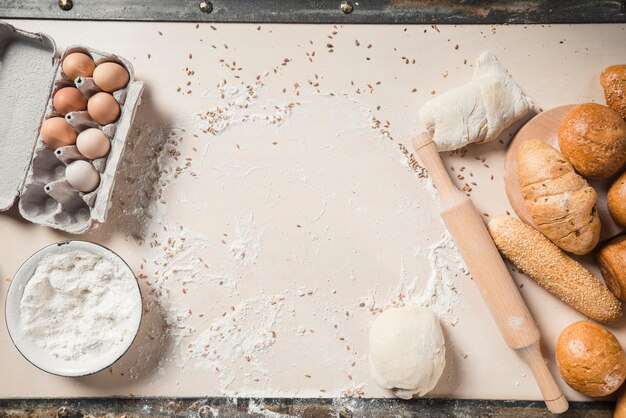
(236, 337)
(293, 222)
(246, 247)
(291, 227)
(447, 268)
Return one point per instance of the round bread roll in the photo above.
(616, 199)
(590, 359)
(593, 138)
(612, 261)
(613, 81)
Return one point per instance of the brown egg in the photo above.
(110, 76)
(77, 64)
(103, 108)
(56, 132)
(69, 99)
(93, 143)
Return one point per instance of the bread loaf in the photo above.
(560, 202)
(590, 359)
(545, 263)
(593, 138)
(616, 200)
(613, 81)
(612, 261)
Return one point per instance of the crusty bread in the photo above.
(616, 199)
(593, 138)
(561, 203)
(590, 359)
(612, 261)
(545, 263)
(613, 81)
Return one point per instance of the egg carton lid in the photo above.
(28, 63)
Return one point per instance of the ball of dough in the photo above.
(407, 351)
(593, 138)
(590, 359)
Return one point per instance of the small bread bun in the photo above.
(590, 359)
(612, 261)
(616, 199)
(593, 138)
(613, 81)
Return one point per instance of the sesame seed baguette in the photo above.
(534, 254)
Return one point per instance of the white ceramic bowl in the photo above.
(38, 356)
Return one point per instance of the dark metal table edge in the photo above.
(287, 407)
(324, 11)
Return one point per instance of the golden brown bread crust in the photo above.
(612, 261)
(613, 81)
(590, 359)
(561, 203)
(593, 138)
(546, 264)
(616, 199)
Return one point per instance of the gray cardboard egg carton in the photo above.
(35, 173)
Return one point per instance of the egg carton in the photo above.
(30, 170)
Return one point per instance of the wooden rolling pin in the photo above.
(490, 273)
(620, 405)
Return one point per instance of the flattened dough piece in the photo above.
(477, 111)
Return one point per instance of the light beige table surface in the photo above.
(281, 214)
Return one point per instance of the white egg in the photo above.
(82, 176)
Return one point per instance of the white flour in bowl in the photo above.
(79, 305)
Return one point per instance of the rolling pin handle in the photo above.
(552, 395)
(423, 139)
(427, 151)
